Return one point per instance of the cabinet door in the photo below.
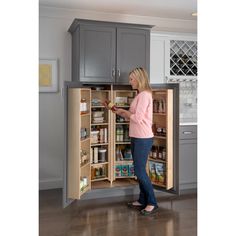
(188, 163)
(157, 60)
(76, 168)
(133, 50)
(188, 157)
(161, 167)
(97, 54)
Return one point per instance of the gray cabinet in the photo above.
(104, 52)
(188, 157)
(96, 54)
(133, 50)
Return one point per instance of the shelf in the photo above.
(98, 144)
(122, 123)
(124, 162)
(98, 106)
(84, 165)
(159, 184)
(98, 164)
(160, 137)
(159, 114)
(123, 142)
(125, 177)
(85, 140)
(99, 124)
(99, 179)
(156, 160)
(84, 190)
(159, 93)
(86, 114)
(101, 90)
(123, 106)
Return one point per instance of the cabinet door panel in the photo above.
(73, 140)
(188, 163)
(133, 50)
(97, 54)
(157, 61)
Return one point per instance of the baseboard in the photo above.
(50, 184)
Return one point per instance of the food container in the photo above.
(121, 101)
(97, 114)
(102, 155)
(94, 136)
(98, 119)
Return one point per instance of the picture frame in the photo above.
(48, 76)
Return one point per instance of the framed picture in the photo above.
(48, 81)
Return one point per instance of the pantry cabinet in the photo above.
(104, 52)
(97, 141)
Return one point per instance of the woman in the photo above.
(140, 131)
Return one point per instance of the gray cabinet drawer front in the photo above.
(188, 132)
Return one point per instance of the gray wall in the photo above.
(55, 42)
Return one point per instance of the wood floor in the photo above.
(111, 217)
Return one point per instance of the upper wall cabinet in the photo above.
(104, 52)
(172, 57)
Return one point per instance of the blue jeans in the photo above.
(140, 148)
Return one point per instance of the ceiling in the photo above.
(179, 9)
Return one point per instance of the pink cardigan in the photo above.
(141, 118)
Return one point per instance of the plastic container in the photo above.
(102, 155)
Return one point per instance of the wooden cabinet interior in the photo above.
(78, 181)
(99, 144)
(122, 158)
(160, 164)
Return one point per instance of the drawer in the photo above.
(188, 132)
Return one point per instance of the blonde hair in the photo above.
(141, 76)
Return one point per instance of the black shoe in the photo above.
(131, 205)
(146, 213)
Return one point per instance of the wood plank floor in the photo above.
(177, 216)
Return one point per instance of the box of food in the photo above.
(125, 170)
(121, 101)
(131, 170)
(118, 170)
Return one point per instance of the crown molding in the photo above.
(160, 24)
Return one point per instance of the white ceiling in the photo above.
(179, 9)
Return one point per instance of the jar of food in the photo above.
(83, 106)
(102, 155)
(110, 105)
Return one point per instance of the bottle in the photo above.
(105, 135)
(121, 134)
(155, 106)
(154, 152)
(164, 154)
(117, 134)
(109, 105)
(83, 106)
